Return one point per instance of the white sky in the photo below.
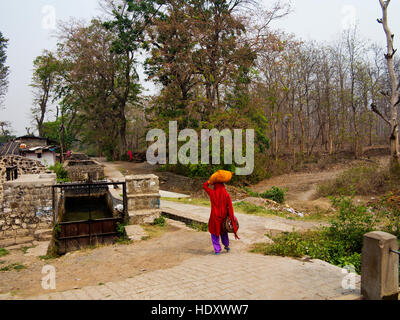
(28, 25)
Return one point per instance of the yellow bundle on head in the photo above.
(221, 176)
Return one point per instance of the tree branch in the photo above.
(375, 109)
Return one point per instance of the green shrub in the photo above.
(161, 222)
(391, 217)
(339, 244)
(121, 229)
(3, 252)
(316, 245)
(350, 223)
(275, 193)
(62, 175)
(354, 260)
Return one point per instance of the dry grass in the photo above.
(361, 180)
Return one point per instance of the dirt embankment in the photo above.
(302, 187)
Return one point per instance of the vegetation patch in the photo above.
(339, 244)
(25, 249)
(250, 208)
(49, 257)
(161, 222)
(361, 180)
(3, 252)
(62, 174)
(193, 201)
(123, 241)
(155, 231)
(201, 227)
(14, 266)
(275, 193)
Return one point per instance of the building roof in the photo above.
(13, 148)
(9, 148)
(42, 148)
(48, 141)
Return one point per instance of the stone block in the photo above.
(23, 232)
(27, 239)
(42, 235)
(143, 216)
(139, 184)
(40, 249)
(7, 242)
(143, 201)
(135, 233)
(379, 266)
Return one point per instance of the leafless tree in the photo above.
(393, 94)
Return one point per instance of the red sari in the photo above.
(221, 204)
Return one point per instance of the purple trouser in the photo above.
(216, 244)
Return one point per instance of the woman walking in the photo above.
(221, 206)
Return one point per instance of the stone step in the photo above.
(16, 241)
(136, 233)
(43, 235)
(40, 249)
(143, 216)
(178, 224)
(185, 217)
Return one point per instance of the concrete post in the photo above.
(379, 267)
(143, 198)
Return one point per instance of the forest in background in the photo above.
(216, 64)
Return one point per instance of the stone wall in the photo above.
(27, 204)
(143, 198)
(82, 170)
(78, 156)
(24, 165)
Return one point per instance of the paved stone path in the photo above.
(230, 276)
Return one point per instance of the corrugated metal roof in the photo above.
(9, 148)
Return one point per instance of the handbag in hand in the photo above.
(227, 225)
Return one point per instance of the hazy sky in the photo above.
(29, 26)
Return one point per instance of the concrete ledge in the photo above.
(143, 195)
(141, 177)
(184, 217)
(34, 180)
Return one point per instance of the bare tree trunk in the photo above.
(302, 131)
(276, 148)
(394, 95)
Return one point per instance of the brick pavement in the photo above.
(237, 275)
